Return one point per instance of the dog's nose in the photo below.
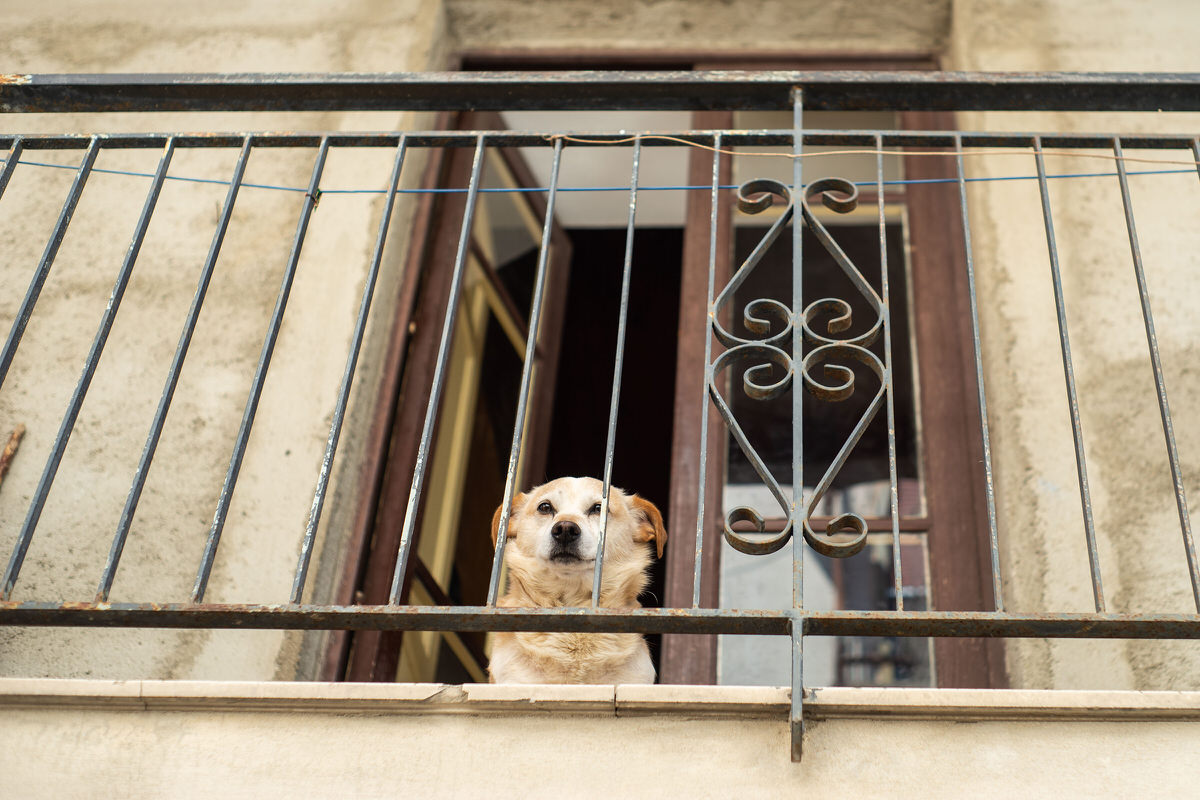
(565, 532)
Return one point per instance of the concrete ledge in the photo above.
(981, 704)
(708, 701)
(289, 696)
(626, 700)
(188, 740)
(527, 697)
(70, 693)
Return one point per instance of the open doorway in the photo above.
(670, 270)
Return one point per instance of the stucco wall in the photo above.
(1044, 559)
(433, 741)
(1041, 525)
(270, 506)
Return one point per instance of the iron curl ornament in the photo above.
(773, 323)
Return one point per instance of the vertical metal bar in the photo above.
(1069, 372)
(1160, 388)
(164, 403)
(10, 163)
(799, 505)
(535, 321)
(898, 578)
(989, 485)
(260, 375)
(618, 368)
(709, 377)
(85, 380)
(439, 376)
(43, 268)
(339, 413)
(797, 711)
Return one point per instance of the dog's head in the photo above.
(556, 527)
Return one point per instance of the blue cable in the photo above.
(525, 189)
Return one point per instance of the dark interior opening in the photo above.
(583, 392)
(579, 432)
(581, 402)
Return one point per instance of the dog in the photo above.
(553, 534)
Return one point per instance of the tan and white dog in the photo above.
(551, 554)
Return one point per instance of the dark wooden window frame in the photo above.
(955, 522)
(387, 470)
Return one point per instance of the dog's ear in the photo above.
(650, 523)
(517, 501)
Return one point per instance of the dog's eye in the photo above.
(594, 509)
(545, 508)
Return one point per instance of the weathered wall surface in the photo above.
(270, 507)
(665, 25)
(433, 741)
(1041, 524)
(1143, 566)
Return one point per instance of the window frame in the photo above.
(387, 472)
(955, 524)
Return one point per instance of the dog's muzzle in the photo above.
(566, 542)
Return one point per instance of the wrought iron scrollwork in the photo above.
(760, 317)
(773, 323)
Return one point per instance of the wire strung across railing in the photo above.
(640, 188)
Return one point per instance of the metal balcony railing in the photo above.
(788, 336)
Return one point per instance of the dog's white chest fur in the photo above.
(571, 658)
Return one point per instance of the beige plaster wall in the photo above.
(432, 741)
(1138, 531)
(664, 25)
(1040, 519)
(274, 493)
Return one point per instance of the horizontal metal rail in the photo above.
(585, 138)
(602, 620)
(591, 90)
